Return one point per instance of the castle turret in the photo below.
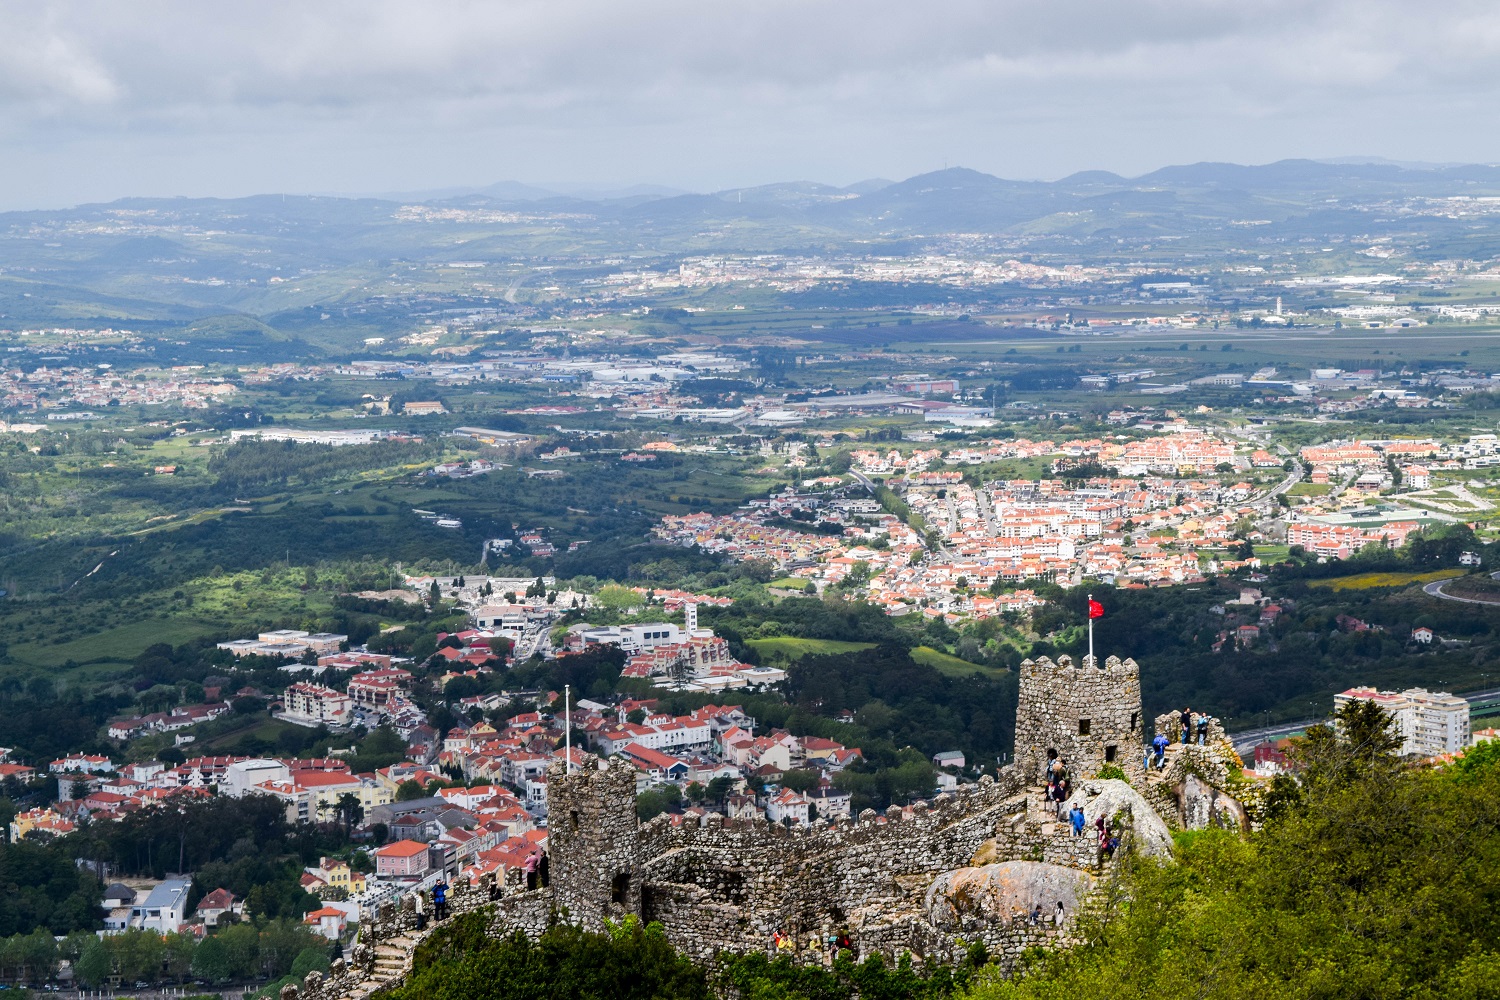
(1089, 716)
(591, 840)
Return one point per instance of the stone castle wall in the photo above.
(727, 886)
(1089, 715)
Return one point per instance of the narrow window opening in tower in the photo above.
(573, 819)
(620, 888)
(1109, 755)
(1084, 725)
(1135, 720)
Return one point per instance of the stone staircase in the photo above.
(393, 955)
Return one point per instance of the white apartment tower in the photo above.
(1428, 722)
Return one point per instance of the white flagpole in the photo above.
(1091, 629)
(568, 727)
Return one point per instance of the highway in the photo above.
(1246, 740)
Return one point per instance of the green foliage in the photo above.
(617, 598)
(1113, 771)
(249, 465)
(756, 977)
(310, 959)
(655, 801)
(632, 962)
(1376, 883)
(40, 886)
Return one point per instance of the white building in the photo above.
(789, 807)
(313, 705)
(241, 777)
(635, 638)
(1428, 722)
(164, 909)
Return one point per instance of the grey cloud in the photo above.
(378, 94)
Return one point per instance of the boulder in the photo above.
(995, 893)
(1205, 806)
(1108, 797)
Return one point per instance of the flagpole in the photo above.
(1091, 629)
(568, 726)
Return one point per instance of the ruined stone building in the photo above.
(929, 879)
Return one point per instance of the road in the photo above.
(527, 645)
(863, 480)
(1435, 589)
(1247, 739)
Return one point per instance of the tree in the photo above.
(311, 959)
(350, 811)
(719, 788)
(139, 954)
(617, 598)
(241, 946)
(212, 961)
(630, 962)
(179, 959)
(409, 790)
(1361, 745)
(96, 963)
(281, 941)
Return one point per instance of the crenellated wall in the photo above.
(728, 886)
(1088, 715)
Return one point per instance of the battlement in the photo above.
(1087, 714)
(898, 881)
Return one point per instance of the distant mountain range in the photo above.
(1176, 198)
(271, 255)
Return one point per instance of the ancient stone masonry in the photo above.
(928, 879)
(1203, 785)
(1086, 714)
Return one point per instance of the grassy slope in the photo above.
(953, 666)
(787, 648)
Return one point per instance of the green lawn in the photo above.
(1309, 490)
(117, 645)
(786, 648)
(946, 663)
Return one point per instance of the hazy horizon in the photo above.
(100, 101)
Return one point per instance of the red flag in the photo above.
(1096, 610)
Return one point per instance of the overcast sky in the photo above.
(107, 99)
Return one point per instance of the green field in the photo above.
(1310, 490)
(952, 666)
(784, 649)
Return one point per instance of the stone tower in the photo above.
(591, 840)
(1089, 716)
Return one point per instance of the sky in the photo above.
(101, 100)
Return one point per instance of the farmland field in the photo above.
(1370, 581)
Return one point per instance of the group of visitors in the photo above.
(1194, 727)
(439, 904)
(1109, 840)
(1037, 917)
(1059, 786)
(1193, 723)
(826, 946)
